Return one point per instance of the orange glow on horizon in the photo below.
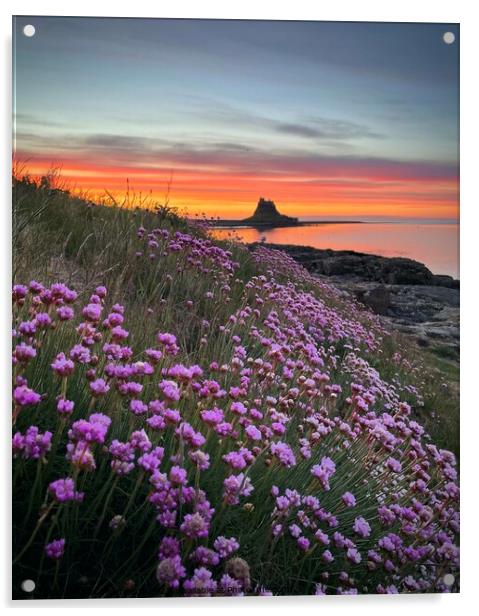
(219, 193)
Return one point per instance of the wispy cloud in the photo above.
(316, 128)
(327, 128)
(31, 120)
(233, 158)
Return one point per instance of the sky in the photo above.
(328, 119)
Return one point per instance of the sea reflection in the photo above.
(435, 245)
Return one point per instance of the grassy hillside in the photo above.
(191, 417)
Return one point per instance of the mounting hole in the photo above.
(448, 579)
(448, 38)
(28, 585)
(29, 30)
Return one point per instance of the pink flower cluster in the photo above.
(279, 397)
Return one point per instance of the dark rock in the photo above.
(422, 342)
(429, 314)
(441, 280)
(362, 266)
(376, 298)
(267, 214)
(404, 271)
(340, 266)
(419, 316)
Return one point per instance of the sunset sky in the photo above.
(333, 120)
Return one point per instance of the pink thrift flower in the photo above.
(63, 490)
(99, 387)
(253, 433)
(348, 499)
(361, 527)
(63, 366)
(24, 396)
(178, 475)
(55, 549)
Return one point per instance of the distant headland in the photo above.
(267, 216)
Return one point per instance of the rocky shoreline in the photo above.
(404, 292)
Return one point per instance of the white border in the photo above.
(463, 11)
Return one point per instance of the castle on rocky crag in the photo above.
(266, 214)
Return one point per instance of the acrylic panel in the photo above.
(235, 308)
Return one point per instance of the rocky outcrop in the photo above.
(363, 266)
(266, 214)
(428, 313)
(378, 298)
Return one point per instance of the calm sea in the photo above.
(436, 244)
